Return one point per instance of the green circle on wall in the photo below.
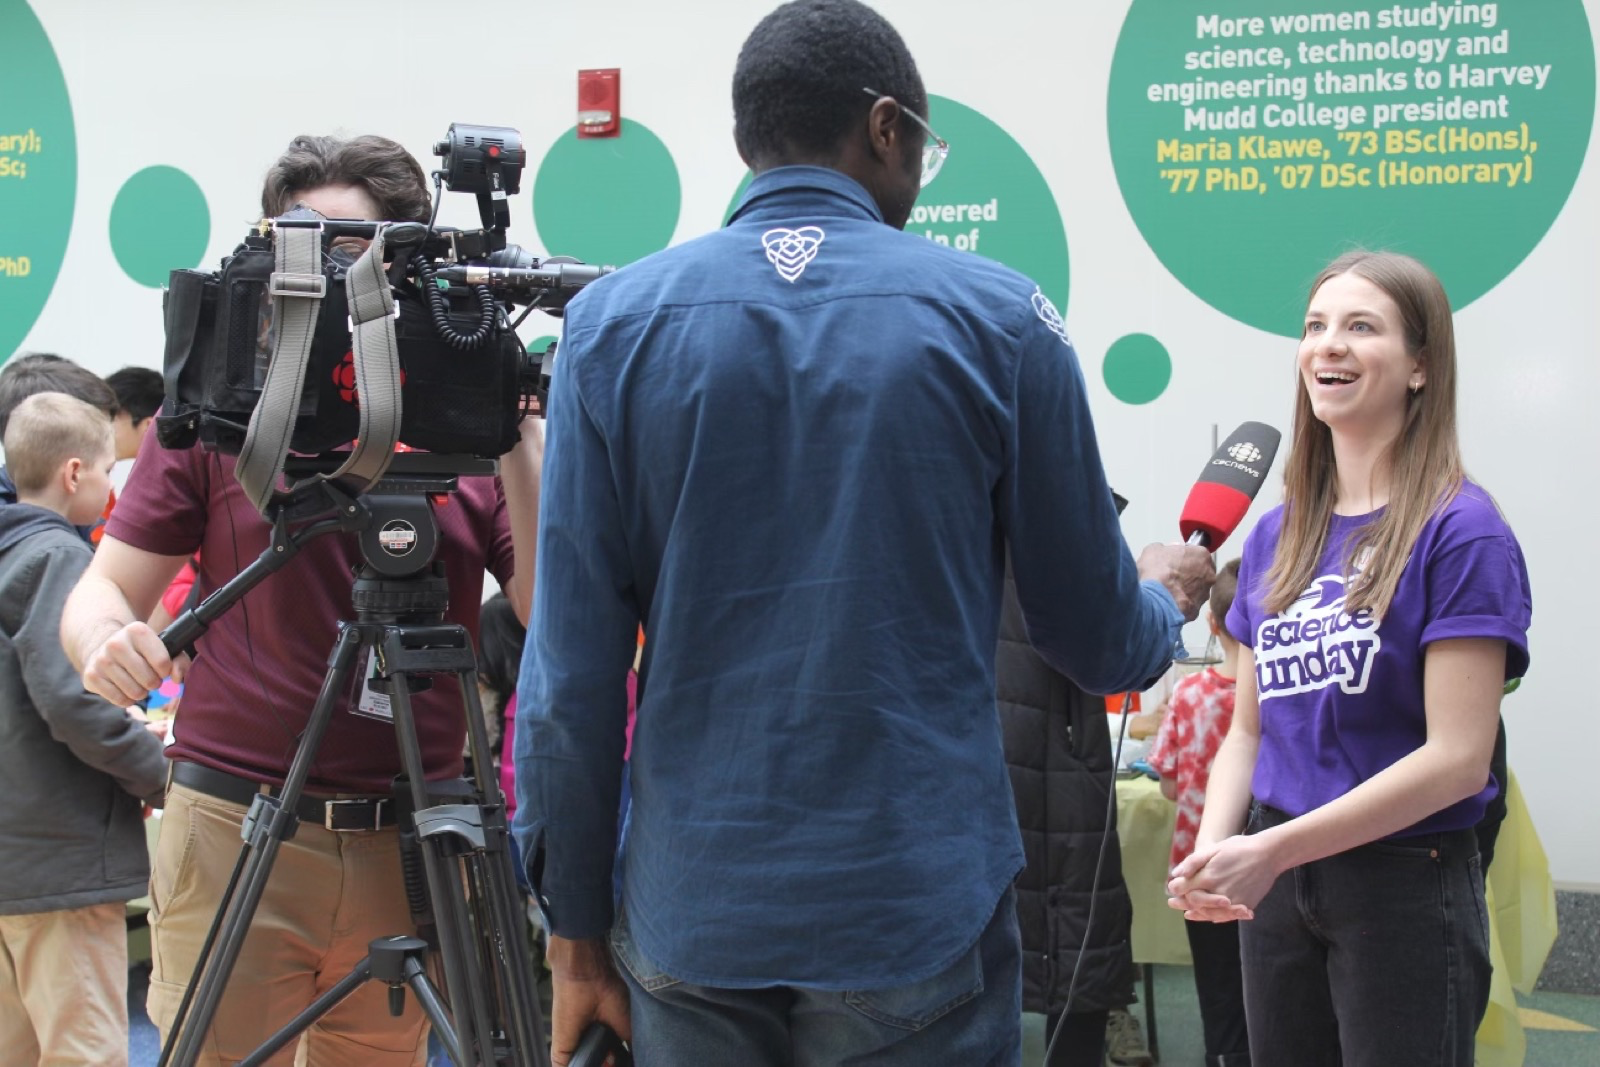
(1137, 368)
(1254, 143)
(159, 223)
(607, 200)
(989, 198)
(38, 172)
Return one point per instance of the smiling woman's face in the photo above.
(1353, 358)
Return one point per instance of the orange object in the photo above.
(1114, 703)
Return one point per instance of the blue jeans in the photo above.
(1373, 957)
(969, 1015)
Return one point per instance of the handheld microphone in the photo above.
(1230, 481)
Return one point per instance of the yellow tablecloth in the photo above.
(1522, 908)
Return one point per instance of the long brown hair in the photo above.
(1424, 461)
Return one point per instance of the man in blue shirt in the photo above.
(796, 450)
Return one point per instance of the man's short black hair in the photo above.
(45, 372)
(139, 390)
(798, 84)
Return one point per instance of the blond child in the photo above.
(73, 769)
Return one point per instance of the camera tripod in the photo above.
(455, 842)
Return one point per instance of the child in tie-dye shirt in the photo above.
(1199, 713)
(1201, 709)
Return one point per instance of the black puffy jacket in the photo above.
(1058, 750)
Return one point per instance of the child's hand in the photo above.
(160, 727)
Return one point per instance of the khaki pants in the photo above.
(327, 897)
(64, 987)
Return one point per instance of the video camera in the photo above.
(462, 378)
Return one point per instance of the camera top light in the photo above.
(482, 159)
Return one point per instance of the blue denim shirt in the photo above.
(796, 450)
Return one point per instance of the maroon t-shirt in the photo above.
(249, 694)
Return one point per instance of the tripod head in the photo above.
(397, 581)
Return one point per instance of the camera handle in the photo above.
(349, 516)
(297, 288)
(599, 1041)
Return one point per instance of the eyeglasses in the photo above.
(934, 152)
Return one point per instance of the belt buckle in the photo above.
(377, 815)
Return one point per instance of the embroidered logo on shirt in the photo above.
(790, 250)
(1050, 316)
(1314, 644)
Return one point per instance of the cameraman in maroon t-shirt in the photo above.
(248, 696)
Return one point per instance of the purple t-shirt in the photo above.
(260, 666)
(1341, 695)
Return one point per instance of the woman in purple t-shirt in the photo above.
(1381, 609)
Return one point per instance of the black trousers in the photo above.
(1083, 1039)
(1219, 980)
(1373, 957)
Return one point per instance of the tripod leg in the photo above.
(272, 823)
(482, 941)
(465, 856)
(468, 997)
(514, 962)
(205, 954)
(417, 979)
(316, 1010)
(498, 881)
(394, 961)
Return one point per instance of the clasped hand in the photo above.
(1223, 881)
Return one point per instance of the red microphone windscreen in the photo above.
(1215, 510)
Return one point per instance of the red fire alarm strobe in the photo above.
(600, 102)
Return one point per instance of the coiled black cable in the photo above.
(439, 309)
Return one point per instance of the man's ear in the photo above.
(883, 130)
(744, 156)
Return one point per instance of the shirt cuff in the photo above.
(1164, 601)
(576, 914)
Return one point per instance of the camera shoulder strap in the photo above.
(297, 288)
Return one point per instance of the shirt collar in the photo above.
(784, 192)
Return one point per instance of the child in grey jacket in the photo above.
(74, 770)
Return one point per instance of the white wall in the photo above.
(191, 83)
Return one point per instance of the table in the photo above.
(1522, 909)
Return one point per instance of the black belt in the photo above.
(339, 814)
